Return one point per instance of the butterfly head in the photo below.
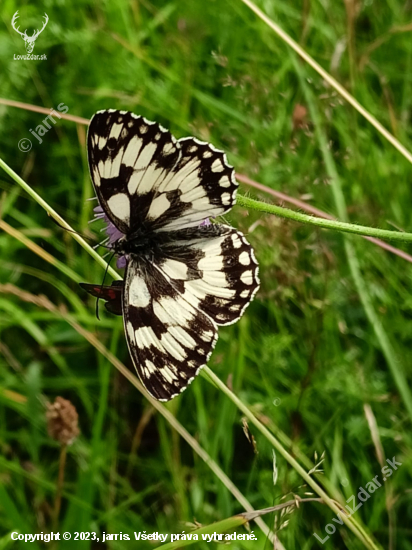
(138, 243)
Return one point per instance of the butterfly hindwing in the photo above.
(168, 338)
(217, 272)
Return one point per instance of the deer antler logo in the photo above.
(28, 40)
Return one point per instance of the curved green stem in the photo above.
(321, 222)
(241, 201)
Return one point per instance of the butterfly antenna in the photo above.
(101, 286)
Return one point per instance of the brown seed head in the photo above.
(62, 420)
(299, 116)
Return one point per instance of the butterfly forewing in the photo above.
(128, 157)
(143, 176)
(202, 183)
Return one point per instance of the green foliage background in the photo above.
(305, 358)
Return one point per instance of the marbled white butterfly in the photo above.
(184, 274)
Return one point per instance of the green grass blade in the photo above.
(393, 360)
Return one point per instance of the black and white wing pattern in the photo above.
(217, 272)
(169, 339)
(144, 177)
(172, 307)
(184, 275)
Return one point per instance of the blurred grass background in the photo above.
(305, 357)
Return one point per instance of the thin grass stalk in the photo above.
(26, 187)
(330, 80)
(18, 235)
(351, 523)
(380, 455)
(302, 205)
(394, 361)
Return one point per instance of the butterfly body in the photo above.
(145, 243)
(184, 275)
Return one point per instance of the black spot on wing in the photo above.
(215, 174)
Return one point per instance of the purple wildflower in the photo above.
(121, 262)
(113, 234)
